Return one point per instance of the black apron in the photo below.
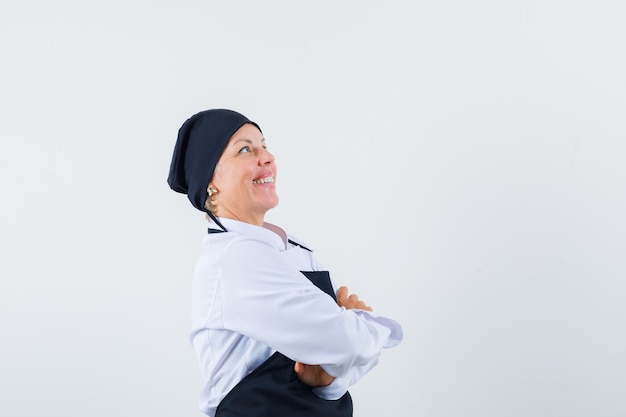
(274, 390)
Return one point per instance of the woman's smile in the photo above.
(266, 180)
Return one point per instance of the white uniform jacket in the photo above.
(249, 300)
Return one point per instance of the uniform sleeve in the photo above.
(266, 298)
(340, 385)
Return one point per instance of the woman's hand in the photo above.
(350, 301)
(312, 375)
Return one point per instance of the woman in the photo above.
(271, 335)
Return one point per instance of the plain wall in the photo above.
(460, 165)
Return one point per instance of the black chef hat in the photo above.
(201, 141)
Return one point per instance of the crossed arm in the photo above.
(314, 375)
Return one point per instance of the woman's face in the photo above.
(245, 178)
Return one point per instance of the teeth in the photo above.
(264, 180)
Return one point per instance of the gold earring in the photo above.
(212, 190)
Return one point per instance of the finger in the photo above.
(342, 296)
(298, 367)
(342, 293)
(364, 306)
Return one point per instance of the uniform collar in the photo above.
(269, 232)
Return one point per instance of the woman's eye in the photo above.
(245, 149)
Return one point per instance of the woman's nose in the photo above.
(266, 157)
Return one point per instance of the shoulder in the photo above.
(222, 243)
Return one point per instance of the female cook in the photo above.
(272, 336)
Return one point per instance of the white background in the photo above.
(459, 165)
